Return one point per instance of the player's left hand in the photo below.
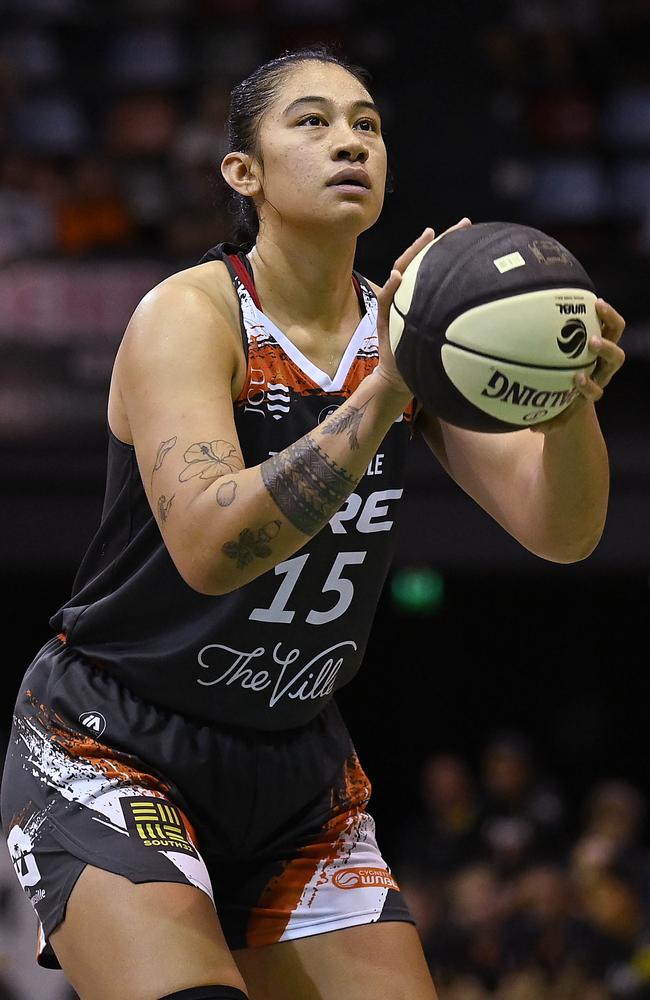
(590, 388)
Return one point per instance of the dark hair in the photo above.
(249, 101)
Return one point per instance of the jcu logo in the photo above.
(263, 397)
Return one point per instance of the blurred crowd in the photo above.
(570, 95)
(521, 894)
(112, 116)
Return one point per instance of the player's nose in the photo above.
(349, 145)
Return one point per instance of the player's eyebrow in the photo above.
(313, 99)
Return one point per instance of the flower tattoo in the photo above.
(209, 460)
(252, 544)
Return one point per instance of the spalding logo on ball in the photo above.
(490, 325)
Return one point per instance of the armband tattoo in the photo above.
(306, 484)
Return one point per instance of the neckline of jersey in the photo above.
(307, 367)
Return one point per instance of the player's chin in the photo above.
(359, 213)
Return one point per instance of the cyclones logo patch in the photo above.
(364, 878)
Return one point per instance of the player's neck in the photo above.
(305, 281)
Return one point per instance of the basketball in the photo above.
(490, 325)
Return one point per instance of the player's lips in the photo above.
(352, 179)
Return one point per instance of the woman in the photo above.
(178, 739)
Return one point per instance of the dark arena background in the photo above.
(502, 712)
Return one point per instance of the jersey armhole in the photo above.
(239, 269)
(363, 290)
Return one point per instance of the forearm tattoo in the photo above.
(252, 544)
(348, 422)
(210, 459)
(163, 448)
(306, 484)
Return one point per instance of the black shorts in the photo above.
(271, 825)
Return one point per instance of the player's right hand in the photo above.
(387, 367)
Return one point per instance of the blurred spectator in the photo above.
(27, 223)
(45, 8)
(147, 57)
(446, 835)
(198, 150)
(626, 117)
(522, 814)
(202, 139)
(563, 119)
(569, 190)
(611, 839)
(462, 988)
(548, 930)
(93, 215)
(142, 125)
(426, 898)
(49, 125)
(532, 984)
(471, 942)
(34, 54)
(231, 51)
(192, 228)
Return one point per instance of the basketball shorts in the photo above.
(273, 827)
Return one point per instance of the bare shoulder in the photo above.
(189, 320)
(203, 293)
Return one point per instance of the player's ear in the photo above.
(242, 172)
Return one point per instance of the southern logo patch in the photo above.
(157, 824)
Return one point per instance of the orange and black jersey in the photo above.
(271, 654)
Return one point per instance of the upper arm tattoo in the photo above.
(210, 459)
(306, 484)
(164, 506)
(163, 448)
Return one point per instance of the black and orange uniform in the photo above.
(172, 736)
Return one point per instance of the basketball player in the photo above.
(182, 801)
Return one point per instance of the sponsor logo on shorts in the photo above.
(20, 848)
(364, 878)
(38, 897)
(157, 824)
(94, 721)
